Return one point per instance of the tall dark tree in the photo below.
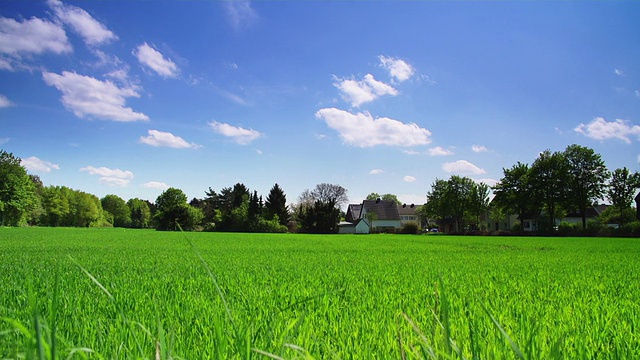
(276, 205)
(437, 207)
(514, 193)
(587, 178)
(622, 187)
(17, 191)
(318, 211)
(550, 184)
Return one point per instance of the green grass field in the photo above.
(114, 293)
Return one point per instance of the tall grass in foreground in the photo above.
(140, 294)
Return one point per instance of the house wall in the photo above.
(386, 224)
(362, 228)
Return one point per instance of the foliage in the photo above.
(140, 213)
(276, 205)
(174, 213)
(318, 210)
(514, 193)
(17, 191)
(410, 228)
(549, 179)
(385, 197)
(587, 177)
(295, 296)
(622, 187)
(117, 207)
(614, 215)
(457, 199)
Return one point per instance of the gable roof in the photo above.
(383, 209)
(353, 212)
(405, 209)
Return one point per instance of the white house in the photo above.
(377, 216)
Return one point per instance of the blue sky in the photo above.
(128, 99)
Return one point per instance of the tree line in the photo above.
(554, 185)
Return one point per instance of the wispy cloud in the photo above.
(5, 102)
(35, 164)
(439, 151)
(411, 152)
(4, 140)
(166, 139)
(155, 185)
(601, 129)
(618, 72)
(462, 167)
(479, 148)
(154, 60)
(241, 14)
(490, 182)
(92, 31)
(240, 135)
(32, 36)
(362, 130)
(358, 92)
(87, 96)
(376, 172)
(409, 179)
(111, 177)
(398, 69)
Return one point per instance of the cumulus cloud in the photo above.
(111, 177)
(155, 185)
(409, 179)
(37, 165)
(439, 151)
(5, 102)
(479, 148)
(398, 69)
(462, 167)
(91, 30)
(358, 92)
(362, 130)
(87, 96)
(166, 139)
(601, 129)
(376, 172)
(32, 36)
(155, 61)
(240, 135)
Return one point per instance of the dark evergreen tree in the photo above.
(276, 205)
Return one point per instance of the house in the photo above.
(377, 216)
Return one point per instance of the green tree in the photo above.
(139, 212)
(55, 203)
(621, 189)
(173, 213)
(117, 207)
(514, 193)
(318, 210)
(17, 191)
(276, 205)
(587, 178)
(437, 207)
(385, 197)
(478, 203)
(549, 179)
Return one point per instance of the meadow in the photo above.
(115, 293)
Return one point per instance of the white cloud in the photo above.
(411, 152)
(87, 96)
(618, 72)
(111, 177)
(241, 14)
(409, 179)
(479, 148)
(462, 167)
(155, 185)
(5, 102)
(161, 138)
(362, 130)
(490, 182)
(366, 90)
(33, 36)
(37, 165)
(4, 140)
(638, 93)
(92, 31)
(154, 60)
(239, 135)
(440, 151)
(398, 69)
(376, 172)
(600, 129)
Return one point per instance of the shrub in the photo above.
(410, 228)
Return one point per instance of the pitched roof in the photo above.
(353, 212)
(383, 209)
(405, 209)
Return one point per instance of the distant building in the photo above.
(377, 216)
